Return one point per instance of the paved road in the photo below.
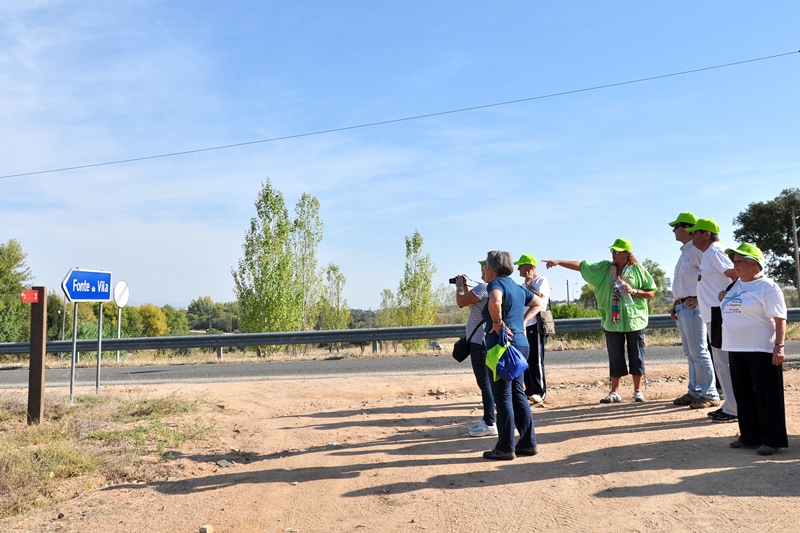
(224, 373)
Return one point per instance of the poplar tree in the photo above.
(415, 303)
(305, 236)
(277, 285)
(264, 281)
(333, 310)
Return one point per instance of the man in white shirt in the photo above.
(716, 273)
(535, 382)
(702, 391)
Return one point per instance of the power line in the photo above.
(396, 120)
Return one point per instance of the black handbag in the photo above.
(715, 334)
(461, 348)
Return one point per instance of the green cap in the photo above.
(622, 245)
(704, 224)
(748, 250)
(482, 262)
(527, 259)
(684, 218)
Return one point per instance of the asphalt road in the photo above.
(11, 378)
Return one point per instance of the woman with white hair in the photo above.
(753, 332)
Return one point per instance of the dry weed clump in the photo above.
(101, 439)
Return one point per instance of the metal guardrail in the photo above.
(351, 336)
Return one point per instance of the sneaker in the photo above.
(638, 396)
(686, 399)
(536, 400)
(612, 397)
(533, 450)
(724, 418)
(496, 455)
(712, 414)
(766, 450)
(481, 429)
(704, 403)
(739, 444)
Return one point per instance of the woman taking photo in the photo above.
(753, 332)
(622, 287)
(476, 299)
(505, 310)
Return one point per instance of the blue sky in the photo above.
(561, 177)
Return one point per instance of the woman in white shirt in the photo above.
(753, 332)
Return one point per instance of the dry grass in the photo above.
(100, 440)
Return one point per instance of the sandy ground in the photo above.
(392, 454)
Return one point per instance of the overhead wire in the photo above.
(402, 119)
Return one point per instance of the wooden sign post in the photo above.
(38, 350)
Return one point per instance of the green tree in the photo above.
(56, 318)
(177, 321)
(768, 225)
(305, 237)
(14, 277)
(200, 312)
(264, 281)
(660, 299)
(333, 310)
(154, 321)
(587, 298)
(415, 295)
(132, 325)
(225, 317)
(415, 303)
(448, 311)
(388, 314)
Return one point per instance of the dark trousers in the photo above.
(483, 375)
(535, 381)
(758, 388)
(513, 412)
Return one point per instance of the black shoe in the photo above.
(712, 414)
(766, 450)
(724, 418)
(739, 444)
(496, 455)
(533, 450)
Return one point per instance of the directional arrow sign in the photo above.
(87, 285)
(29, 297)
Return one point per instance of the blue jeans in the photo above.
(693, 339)
(477, 354)
(513, 412)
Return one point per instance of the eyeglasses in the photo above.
(684, 225)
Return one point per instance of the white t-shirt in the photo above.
(542, 286)
(684, 282)
(712, 279)
(747, 315)
(474, 318)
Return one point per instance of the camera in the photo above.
(454, 280)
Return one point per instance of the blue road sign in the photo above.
(87, 285)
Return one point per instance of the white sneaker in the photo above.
(482, 430)
(535, 399)
(638, 396)
(612, 397)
